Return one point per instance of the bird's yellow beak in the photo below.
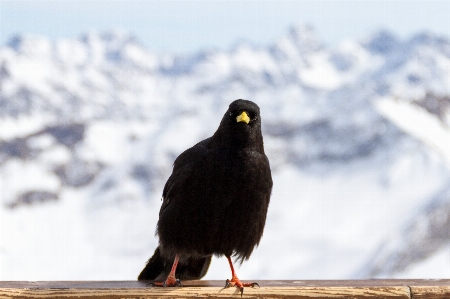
(243, 117)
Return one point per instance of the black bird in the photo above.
(215, 202)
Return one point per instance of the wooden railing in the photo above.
(407, 289)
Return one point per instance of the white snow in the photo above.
(418, 123)
(18, 177)
(321, 74)
(436, 266)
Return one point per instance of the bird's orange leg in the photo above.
(235, 280)
(171, 280)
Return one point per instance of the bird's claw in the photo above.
(228, 284)
(172, 283)
(167, 283)
(239, 285)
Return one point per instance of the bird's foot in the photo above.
(235, 282)
(169, 282)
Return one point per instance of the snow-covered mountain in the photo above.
(356, 135)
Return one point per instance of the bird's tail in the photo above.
(158, 268)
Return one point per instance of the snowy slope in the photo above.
(89, 129)
(421, 245)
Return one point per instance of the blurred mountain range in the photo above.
(357, 136)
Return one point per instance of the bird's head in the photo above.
(241, 125)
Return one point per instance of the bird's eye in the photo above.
(253, 116)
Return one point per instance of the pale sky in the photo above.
(186, 26)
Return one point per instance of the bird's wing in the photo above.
(193, 154)
(183, 166)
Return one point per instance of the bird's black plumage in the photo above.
(215, 202)
(158, 268)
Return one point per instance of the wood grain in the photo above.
(418, 289)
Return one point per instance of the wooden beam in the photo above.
(326, 289)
